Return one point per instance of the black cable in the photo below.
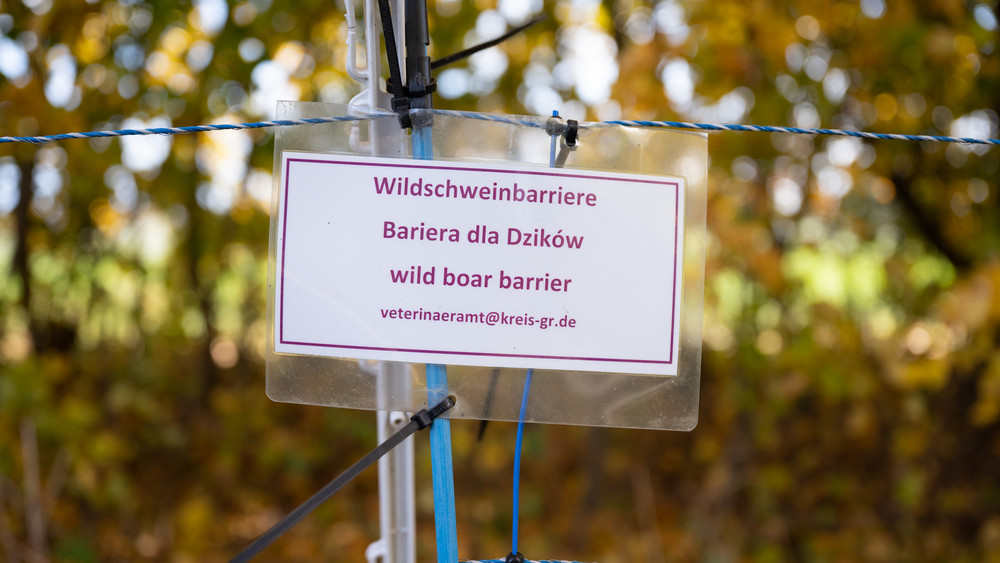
(419, 421)
(443, 61)
(395, 75)
(420, 84)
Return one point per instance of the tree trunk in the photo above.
(22, 214)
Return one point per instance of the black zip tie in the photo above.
(514, 558)
(571, 132)
(568, 144)
(400, 100)
(464, 53)
(419, 421)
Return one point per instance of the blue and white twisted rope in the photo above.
(492, 117)
(192, 128)
(723, 127)
(495, 118)
(801, 131)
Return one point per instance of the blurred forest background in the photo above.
(850, 406)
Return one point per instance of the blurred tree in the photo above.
(851, 375)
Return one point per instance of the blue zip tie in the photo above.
(552, 149)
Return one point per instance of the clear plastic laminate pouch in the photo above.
(502, 250)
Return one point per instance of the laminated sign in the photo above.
(490, 260)
(472, 264)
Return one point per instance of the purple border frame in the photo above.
(284, 239)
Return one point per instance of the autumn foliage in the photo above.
(850, 404)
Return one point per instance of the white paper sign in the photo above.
(478, 264)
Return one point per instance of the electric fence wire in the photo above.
(189, 129)
(496, 118)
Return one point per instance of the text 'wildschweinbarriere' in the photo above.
(405, 186)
